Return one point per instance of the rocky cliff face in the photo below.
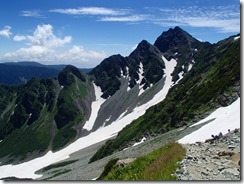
(177, 43)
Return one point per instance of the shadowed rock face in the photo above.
(145, 57)
(177, 43)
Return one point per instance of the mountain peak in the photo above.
(66, 76)
(143, 42)
(177, 28)
(144, 47)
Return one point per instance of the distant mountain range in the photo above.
(158, 87)
(22, 72)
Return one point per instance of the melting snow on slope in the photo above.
(27, 169)
(95, 108)
(224, 118)
(137, 143)
(141, 70)
(140, 73)
(237, 37)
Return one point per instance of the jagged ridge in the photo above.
(215, 74)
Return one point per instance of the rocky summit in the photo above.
(215, 159)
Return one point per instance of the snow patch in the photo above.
(190, 67)
(141, 70)
(128, 88)
(121, 73)
(224, 118)
(95, 108)
(141, 91)
(108, 118)
(127, 71)
(137, 143)
(237, 37)
(181, 74)
(121, 115)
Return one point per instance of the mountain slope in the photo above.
(213, 81)
(128, 82)
(44, 114)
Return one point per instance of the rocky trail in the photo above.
(215, 159)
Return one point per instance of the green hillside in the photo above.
(43, 114)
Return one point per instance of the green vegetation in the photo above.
(54, 166)
(157, 165)
(63, 137)
(28, 112)
(68, 112)
(58, 173)
(26, 140)
(20, 136)
(108, 168)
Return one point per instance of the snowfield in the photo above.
(95, 108)
(224, 118)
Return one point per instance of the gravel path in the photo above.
(214, 160)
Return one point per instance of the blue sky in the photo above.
(84, 32)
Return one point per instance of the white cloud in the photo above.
(90, 11)
(224, 19)
(45, 47)
(31, 13)
(19, 38)
(5, 32)
(130, 18)
(43, 36)
(104, 14)
(78, 53)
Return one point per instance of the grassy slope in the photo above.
(213, 75)
(157, 165)
(69, 94)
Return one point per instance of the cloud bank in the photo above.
(44, 46)
(225, 19)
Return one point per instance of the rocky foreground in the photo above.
(215, 159)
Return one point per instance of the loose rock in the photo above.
(212, 160)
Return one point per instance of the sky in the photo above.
(84, 32)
